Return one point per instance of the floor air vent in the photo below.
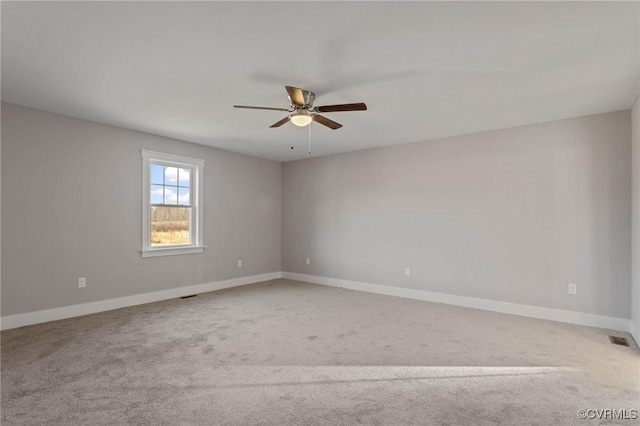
(618, 340)
(187, 297)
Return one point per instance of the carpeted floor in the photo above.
(283, 352)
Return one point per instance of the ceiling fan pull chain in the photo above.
(309, 126)
(291, 136)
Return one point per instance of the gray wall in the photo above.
(511, 215)
(635, 283)
(71, 207)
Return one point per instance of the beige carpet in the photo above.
(284, 352)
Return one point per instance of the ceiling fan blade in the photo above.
(296, 95)
(342, 107)
(281, 122)
(326, 122)
(257, 107)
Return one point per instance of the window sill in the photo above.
(171, 251)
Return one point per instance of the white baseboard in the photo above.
(634, 330)
(30, 318)
(612, 323)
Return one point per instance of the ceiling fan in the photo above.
(301, 105)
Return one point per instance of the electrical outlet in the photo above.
(308, 261)
(407, 272)
(573, 288)
(240, 263)
(82, 282)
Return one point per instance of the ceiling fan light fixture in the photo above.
(301, 118)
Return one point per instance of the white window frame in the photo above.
(197, 192)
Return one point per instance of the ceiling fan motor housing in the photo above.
(308, 96)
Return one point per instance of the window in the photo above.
(172, 204)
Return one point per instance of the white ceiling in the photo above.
(425, 70)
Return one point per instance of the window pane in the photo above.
(170, 195)
(157, 172)
(171, 176)
(184, 196)
(156, 194)
(184, 177)
(170, 226)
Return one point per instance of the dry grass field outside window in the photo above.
(170, 226)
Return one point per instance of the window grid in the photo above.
(177, 186)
